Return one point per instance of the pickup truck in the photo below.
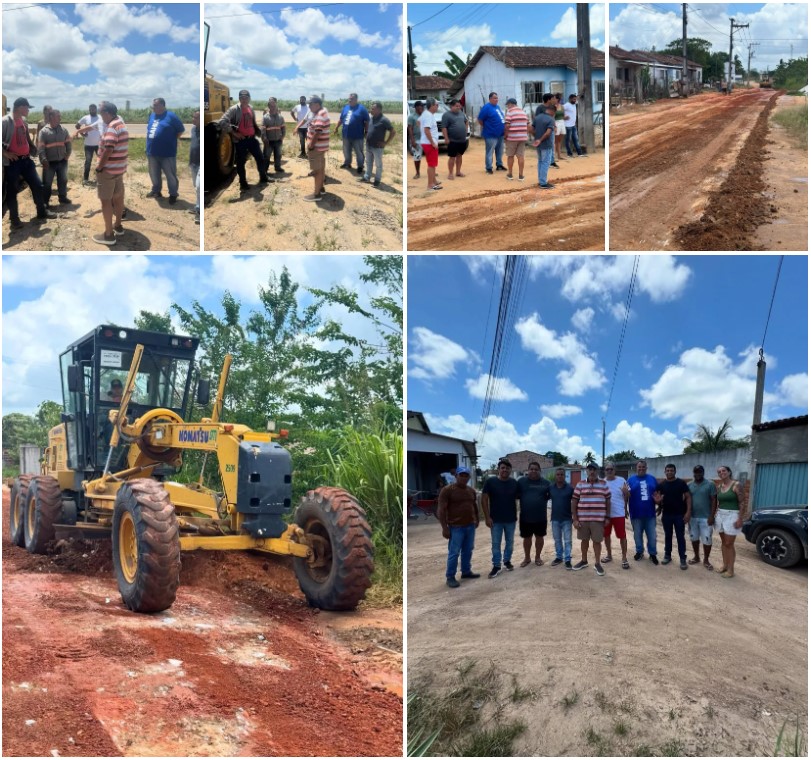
(779, 533)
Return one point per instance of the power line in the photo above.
(628, 300)
(769, 315)
(433, 16)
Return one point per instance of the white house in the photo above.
(429, 454)
(525, 73)
(429, 87)
(626, 72)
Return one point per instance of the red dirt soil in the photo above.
(238, 666)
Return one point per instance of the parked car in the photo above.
(779, 533)
(441, 108)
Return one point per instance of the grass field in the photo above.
(795, 120)
(134, 115)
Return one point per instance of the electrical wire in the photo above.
(430, 17)
(628, 300)
(769, 315)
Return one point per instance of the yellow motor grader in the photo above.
(108, 469)
(220, 151)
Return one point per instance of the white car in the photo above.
(441, 108)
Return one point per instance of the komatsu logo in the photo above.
(197, 436)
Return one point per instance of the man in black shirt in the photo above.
(500, 514)
(674, 504)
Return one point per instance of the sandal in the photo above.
(436, 187)
(625, 565)
(539, 562)
(693, 561)
(607, 559)
(525, 563)
(721, 570)
(708, 566)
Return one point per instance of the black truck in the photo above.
(779, 533)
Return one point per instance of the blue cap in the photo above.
(462, 470)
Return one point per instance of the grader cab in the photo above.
(110, 468)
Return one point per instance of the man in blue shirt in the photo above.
(354, 122)
(162, 133)
(642, 508)
(491, 119)
(561, 494)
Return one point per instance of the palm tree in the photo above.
(454, 66)
(590, 458)
(707, 441)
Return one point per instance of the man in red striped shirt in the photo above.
(317, 146)
(516, 134)
(110, 170)
(591, 511)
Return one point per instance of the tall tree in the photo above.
(590, 458)
(626, 455)
(708, 441)
(154, 322)
(412, 60)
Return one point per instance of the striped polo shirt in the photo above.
(592, 500)
(318, 131)
(116, 141)
(517, 124)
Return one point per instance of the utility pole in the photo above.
(585, 107)
(732, 27)
(684, 87)
(413, 86)
(752, 46)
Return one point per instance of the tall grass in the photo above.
(795, 120)
(370, 466)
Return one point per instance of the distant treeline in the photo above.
(135, 115)
(389, 106)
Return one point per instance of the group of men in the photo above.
(502, 132)
(106, 137)
(594, 507)
(364, 135)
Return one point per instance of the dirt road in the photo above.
(150, 224)
(716, 665)
(354, 216)
(688, 174)
(487, 212)
(239, 665)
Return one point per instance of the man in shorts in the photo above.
(110, 170)
(414, 136)
(533, 496)
(705, 504)
(429, 141)
(591, 510)
(317, 146)
(619, 511)
(454, 130)
(498, 506)
(516, 133)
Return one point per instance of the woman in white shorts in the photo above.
(728, 519)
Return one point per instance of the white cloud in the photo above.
(794, 390)
(481, 267)
(383, 7)
(560, 410)
(618, 311)
(565, 32)
(582, 318)
(503, 390)
(114, 22)
(582, 373)
(431, 48)
(644, 441)
(313, 26)
(434, 357)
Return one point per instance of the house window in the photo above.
(557, 87)
(599, 92)
(533, 92)
(621, 74)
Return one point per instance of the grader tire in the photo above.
(340, 572)
(43, 507)
(146, 546)
(19, 492)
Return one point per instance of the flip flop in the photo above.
(708, 566)
(693, 561)
(606, 559)
(525, 563)
(721, 570)
(538, 562)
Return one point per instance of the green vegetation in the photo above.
(333, 106)
(791, 75)
(672, 748)
(133, 115)
(787, 746)
(466, 719)
(795, 120)
(602, 747)
(709, 441)
(570, 700)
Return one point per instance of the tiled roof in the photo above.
(784, 423)
(431, 83)
(527, 57)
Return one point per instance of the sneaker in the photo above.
(103, 239)
(547, 186)
(557, 561)
(489, 171)
(302, 155)
(557, 166)
(376, 183)
(452, 582)
(581, 565)
(16, 224)
(119, 229)
(666, 560)
(494, 572)
(520, 177)
(243, 188)
(653, 559)
(639, 555)
(509, 565)
(312, 198)
(509, 176)
(65, 200)
(124, 213)
(501, 168)
(599, 570)
(568, 565)
(346, 166)
(683, 564)
(154, 194)
(360, 170)
(264, 179)
(471, 576)
(45, 214)
(364, 178)
(172, 200)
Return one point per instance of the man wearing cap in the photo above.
(704, 497)
(516, 128)
(163, 130)
(18, 164)
(354, 123)
(92, 138)
(115, 392)
(54, 148)
(317, 147)
(458, 515)
(414, 136)
(591, 512)
(240, 122)
(301, 115)
(500, 514)
(491, 120)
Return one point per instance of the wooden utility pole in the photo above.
(684, 80)
(585, 100)
(732, 27)
(412, 84)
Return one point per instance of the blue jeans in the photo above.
(648, 526)
(571, 134)
(166, 165)
(23, 167)
(496, 532)
(357, 147)
(669, 522)
(492, 144)
(562, 533)
(242, 148)
(374, 160)
(460, 542)
(58, 169)
(544, 161)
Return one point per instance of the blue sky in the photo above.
(774, 26)
(39, 320)
(689, 355)
(463, 27)
(71, 55)
(300, 49)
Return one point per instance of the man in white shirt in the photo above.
(619, 511)
(570, 122)
(92, 138)
(302, 115)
